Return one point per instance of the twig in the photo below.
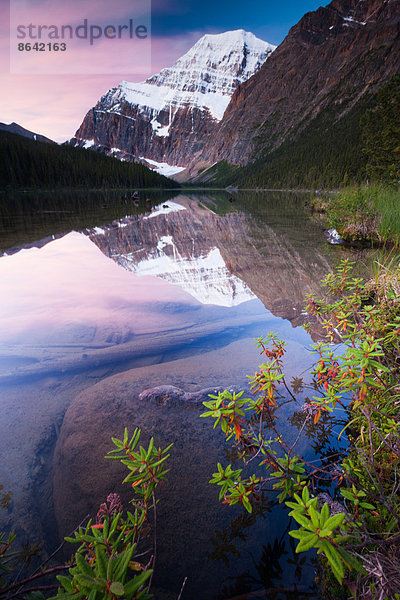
(40, 588)
(143, 553)
(291, 449)
(391, 448)
(183, 585)
(32, 578)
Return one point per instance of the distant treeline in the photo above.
(26, 163)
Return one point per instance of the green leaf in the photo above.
(334, 521)
(297, 534)
(118, 443)
(314, 516)
(135, 439)
(324, 515)
(124, 559)
(82, 565)
(110, 565)
(367, 505)
(117, 588)
(348, 494)
(66, 582)
(101, 561)
(151, 446)
(307, 542)
(84, 580)
(247, 505)
(351, 561)
(293, 505)
(134, 584)
(334, 560)
(305, 495)
(302, 520)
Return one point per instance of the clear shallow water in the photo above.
(106, 299)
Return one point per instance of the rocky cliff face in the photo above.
(168, 118)
(329, 61)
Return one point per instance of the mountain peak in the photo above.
(169, 116)
(17, 129)
(232, 38)
(205, 76)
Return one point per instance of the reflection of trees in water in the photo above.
(323, 437)
(30, 217)
(223, 541)
(266, 580)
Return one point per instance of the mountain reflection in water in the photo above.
(81, 338)
(220, 259)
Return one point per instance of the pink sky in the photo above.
(54, 105)
(70, 282)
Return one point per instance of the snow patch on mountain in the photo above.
(171, 115)
(162, 168)
(351, 20)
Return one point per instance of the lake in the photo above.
(118, 313)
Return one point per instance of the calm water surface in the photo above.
(102, 299)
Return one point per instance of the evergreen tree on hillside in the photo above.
(381, 134)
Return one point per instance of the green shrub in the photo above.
(105, 566)
(362, 529)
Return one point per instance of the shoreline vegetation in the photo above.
(368, 214)
(345, 506)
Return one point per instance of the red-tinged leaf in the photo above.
(238, 430)
(317, 417)
(135, 483)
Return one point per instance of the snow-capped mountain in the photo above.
(168, 117)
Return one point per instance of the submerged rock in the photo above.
(169, 395)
